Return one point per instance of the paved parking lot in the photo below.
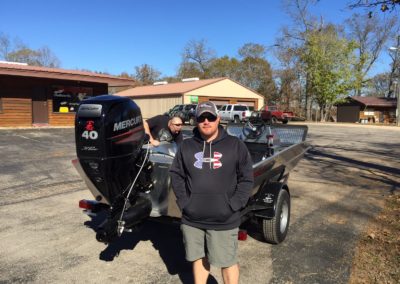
(44, 237)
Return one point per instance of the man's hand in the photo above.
(154, 142)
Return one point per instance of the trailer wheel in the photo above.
(192, 121)
(275, 229)
(285, 121)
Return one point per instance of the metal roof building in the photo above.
(159, 98)
(32, 95)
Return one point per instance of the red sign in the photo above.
(89, 125)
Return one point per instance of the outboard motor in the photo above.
(109, 136)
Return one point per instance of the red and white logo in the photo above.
(215, 160)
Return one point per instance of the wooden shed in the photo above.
(367, 110)
(162, 96)
(32, 95)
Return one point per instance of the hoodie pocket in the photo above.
(208, 208)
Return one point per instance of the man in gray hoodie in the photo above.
(212, 178)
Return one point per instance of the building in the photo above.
(162, 96)
(367, 110)
(32, 95)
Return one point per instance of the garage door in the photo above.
(250, 104)
(220, 103)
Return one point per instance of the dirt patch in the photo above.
(377, 255)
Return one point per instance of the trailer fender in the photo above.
(268, 199)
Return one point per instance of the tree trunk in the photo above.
(322, 113)
(308, 100)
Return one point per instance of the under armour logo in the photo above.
(200, 160)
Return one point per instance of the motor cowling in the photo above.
(109, 135)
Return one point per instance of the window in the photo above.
(240, 108)
(223, 108)
(175, 108)
(67, 99)
(189, 107)
(229, 107)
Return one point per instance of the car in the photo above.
(235, 112)
(273, 114)
(186, 111)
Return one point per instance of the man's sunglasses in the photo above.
(210, 118)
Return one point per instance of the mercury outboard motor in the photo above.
(109, 136)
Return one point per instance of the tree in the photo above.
(20, 52)
(288, 79)
(252, 50)
(224, 67)
(328, 61)
(370, 34)
(196, 59)
(378, 85)
(146, 74)
(384, 5)
(255, 72)
(190, 70)
(5, 46)
(47, 58)
(294, 38)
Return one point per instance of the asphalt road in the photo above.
(44, 237)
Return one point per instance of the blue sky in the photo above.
(115, 36)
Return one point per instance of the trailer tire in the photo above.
(285, 121)
(275, 229)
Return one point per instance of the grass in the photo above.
(377, 256)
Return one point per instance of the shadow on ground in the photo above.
(166, 239)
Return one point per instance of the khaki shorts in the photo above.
(220, 247)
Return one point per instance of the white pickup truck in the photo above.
(235, 112)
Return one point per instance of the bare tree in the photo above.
(5, 45)
(371, 35)
(294, 38)
(47, 58)
(19, 52)
(378, 85)
(146, 74)
(196, 56)
(384, 5)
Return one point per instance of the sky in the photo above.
(114, 36)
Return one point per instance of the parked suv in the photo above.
(235, 112)
(187, 111)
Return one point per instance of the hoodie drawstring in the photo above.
(204, 150)
(210, 154)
